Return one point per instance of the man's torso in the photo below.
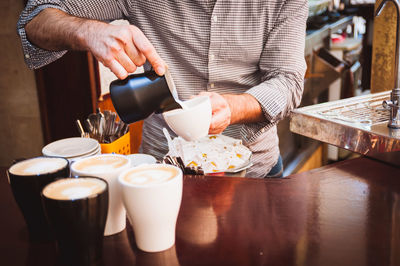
(213, 47)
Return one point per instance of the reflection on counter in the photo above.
(168, 257)
(205, 224)
(208, 213)
(354, 213)
(222, 210)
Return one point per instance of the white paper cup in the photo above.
(116, 218)
(152, 207)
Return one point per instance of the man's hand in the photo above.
(230, 109)
(221, 112)
(120, 48)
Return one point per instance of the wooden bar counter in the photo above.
(347, 213)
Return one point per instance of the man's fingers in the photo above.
(124, 48)
(117, 69)
(126, 62)
(147, 49)
(219, 121)
(137, 58)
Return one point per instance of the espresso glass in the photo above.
(27, 186)
(78, 224)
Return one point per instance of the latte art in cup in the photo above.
(38, 166)
(76, 208)
(107, 167)
(27, 179)
(152, 197)
(74, 188)
(150, 175)
(101, 164)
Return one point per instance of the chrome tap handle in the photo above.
(394, 106)
(387, 104)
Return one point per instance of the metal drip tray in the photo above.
(358, 124)
(367, 112)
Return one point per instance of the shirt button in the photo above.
(212, 57)
(27, 56)
(215, 18)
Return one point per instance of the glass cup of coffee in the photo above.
(152, 196)
(77, 211)
(107, 167)
(27, 179)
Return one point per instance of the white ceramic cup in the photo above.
(141, 158)
(152, 197)
(192, 122)
(108, 167)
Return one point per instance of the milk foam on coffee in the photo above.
(36, 166)
(74, 188)
(150, 175)
(100, 164)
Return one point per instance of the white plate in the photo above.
(71, 147)
(215, 153)
(95, 152)
(236, 169)
(73, 159)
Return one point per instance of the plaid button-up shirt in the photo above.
(224, 46)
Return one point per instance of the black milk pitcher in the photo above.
(140, 95)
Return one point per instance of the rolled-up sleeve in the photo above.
(105, 10)
(283, 66)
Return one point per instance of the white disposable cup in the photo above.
(192, 122)
(116, 217)
(153, 209)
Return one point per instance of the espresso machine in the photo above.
(368, 124)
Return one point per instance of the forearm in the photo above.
(121, 48)
(54, 30)
(282, 63)
(244, 108)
